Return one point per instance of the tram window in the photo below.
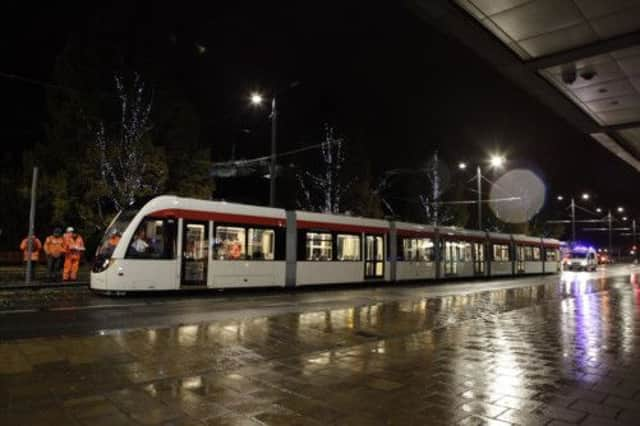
(536, 253)
(417, 250)
(261, 244)
(531, 253)
(425, 250)
(457, 251)
(552, 255)
(319, 246)
(229, 243)
(465, 251)
(501, 252)
(409, 249)
(154, 239)
(348, 247)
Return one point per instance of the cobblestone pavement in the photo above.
(561, 353)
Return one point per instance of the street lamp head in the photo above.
(620, 209)
(497, 161)
(585, 196)
(462, 165)
(598, 210)
(560, 198)
(256, 98)
(624, 218)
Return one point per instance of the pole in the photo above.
(32, 219)
(610, 221)
(573, 220)
(479, 179)
(272, 182)
(635, 247)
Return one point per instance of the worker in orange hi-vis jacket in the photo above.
(73, 247)
(35, 252)
(54, 247)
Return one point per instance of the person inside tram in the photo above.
(235, 249)
(139, 244)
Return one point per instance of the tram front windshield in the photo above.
(114, 232)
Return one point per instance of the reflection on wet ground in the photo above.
(562, 352)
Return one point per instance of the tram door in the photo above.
(451, 256)
(373, 256)
(195, 253)
(478, 259)
(520, 259)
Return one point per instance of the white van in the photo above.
(580, 259)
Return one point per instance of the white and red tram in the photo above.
(172, 243)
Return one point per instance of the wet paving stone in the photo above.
(566, 351)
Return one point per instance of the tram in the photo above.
(173, 243)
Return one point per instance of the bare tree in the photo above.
(435, 212)
(324, 190)
(129, 165)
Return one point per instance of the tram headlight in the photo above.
(101, 264)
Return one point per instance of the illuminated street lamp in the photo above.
(257, 100)
(495, 162)
(598, 210)
(462, 166)
(585, 196)
(620, 209)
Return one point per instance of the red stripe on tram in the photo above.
(308, 224)
(415, 233)
(454, 237)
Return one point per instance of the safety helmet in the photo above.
(70, 229)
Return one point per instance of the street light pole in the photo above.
(573, 220)
(272, 180)
(479, 178)
(633, 236)
(610, 229)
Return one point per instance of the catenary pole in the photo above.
(32, 218)
(272, 181)
(609, 218)
(573, 220)
(479, 179)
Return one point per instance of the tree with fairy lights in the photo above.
(437, 182)
(325, 189)
(130, 166)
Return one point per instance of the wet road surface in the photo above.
(540, 350)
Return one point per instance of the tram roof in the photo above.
(171, 202)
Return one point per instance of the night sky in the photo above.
(384, 79)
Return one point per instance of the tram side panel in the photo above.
(341, 249)
(551, 256)
(501, 256)
(416, 252)
(248, 254)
